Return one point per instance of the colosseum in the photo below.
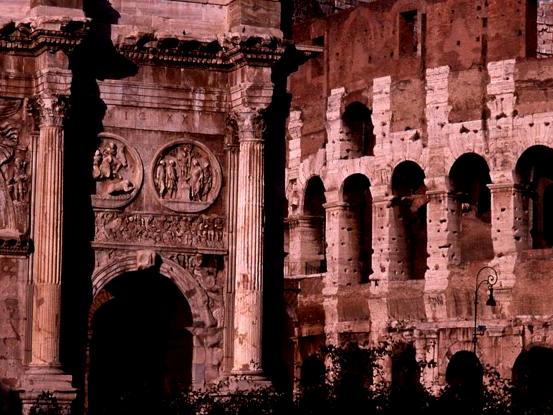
(195, 190)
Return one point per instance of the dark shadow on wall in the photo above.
(274, 324)
(96, 58)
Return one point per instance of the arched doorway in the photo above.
(533, 385)
(140, 346)
(465, 382)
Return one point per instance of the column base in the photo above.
(47, 387)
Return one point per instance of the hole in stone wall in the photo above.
(531, 28)
(410, 204)
(357, 119)
(357, 195)
(408, 33)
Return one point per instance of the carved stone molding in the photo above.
(186, 232)
(186, 176)
(118, 172)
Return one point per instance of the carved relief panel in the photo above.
(15, 170)
(118, 172)
(186, 176)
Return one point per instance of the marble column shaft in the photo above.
(249, 250)
(48, 236)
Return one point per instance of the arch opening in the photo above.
(357, 196)
(140, 345)
(314, 245)
(465, 384)
(359, 129)
(534, 177)
(469, 178)
(532, 381)
(409, 205)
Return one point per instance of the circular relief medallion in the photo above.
(186, 176)
(118, 172)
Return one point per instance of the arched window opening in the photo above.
(359, 129)
(469, 179)
(314, 242)
(532, 381)
(464, 376)
(357, 195)
(534, 176)
(409, 204)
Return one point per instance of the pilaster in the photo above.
(338, 145)
(443, 247)
(382, 115)
(232, 149)
(383, 259)
(335, 215)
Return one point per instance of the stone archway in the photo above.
(203, 317)
(141, 345)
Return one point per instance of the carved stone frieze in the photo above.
(188, 232)
(186, 176)
(118, 172)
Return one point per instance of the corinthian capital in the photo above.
(48, 109)
(251, 124)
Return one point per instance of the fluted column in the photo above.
(249, 247)
(44, 373)
(48, 234)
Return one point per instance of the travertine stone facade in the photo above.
(454, 125)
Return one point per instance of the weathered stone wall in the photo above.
(469, 91)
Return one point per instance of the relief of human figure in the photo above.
(20, 180)
(96, 174)
(160, 178)
(196, 180)
(171, 179)
(207, 182)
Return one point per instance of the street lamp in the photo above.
(486, 275)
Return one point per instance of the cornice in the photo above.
(225, 53)
(25, 39)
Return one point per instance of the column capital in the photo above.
(249, 122)
(48, 109)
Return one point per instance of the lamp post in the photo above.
(486, 275)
